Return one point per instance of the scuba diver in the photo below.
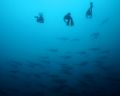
(89, 11)
(68, 19)
(40, 18)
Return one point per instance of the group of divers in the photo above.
(67, 18)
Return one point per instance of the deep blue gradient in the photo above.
(53, 59)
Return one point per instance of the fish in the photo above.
(84, 63)
(75, 39)
(44, 57)
(67, 72)
(66, 69)
(95, 35)
(54, 50)
(41, 85)
(113, 79)
(59, 89)
(66, 66)
(32, 64)
(34, 93)
(14, 76)
(66, 57)
(95, 49)
(103, 57)
(14, 90)
(46, 61)
(36, 75)
(39, 93)
(27, 84)
(72, 92)
(68, 52)
(104, 67)
(54, 76)
(89, 77)
(82, 53)
(104, 21)
(100, 64)
(105, 51)
(13, 71)
(15, 64)
(3, 92)
(64, 38)
(83, 83)
(59, 80)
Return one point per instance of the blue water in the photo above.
(53, 59)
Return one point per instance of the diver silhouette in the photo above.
(68, 19)
(40, 18)
(89, 11)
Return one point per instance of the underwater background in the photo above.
(53, 59)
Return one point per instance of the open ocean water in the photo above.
(53, 48)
